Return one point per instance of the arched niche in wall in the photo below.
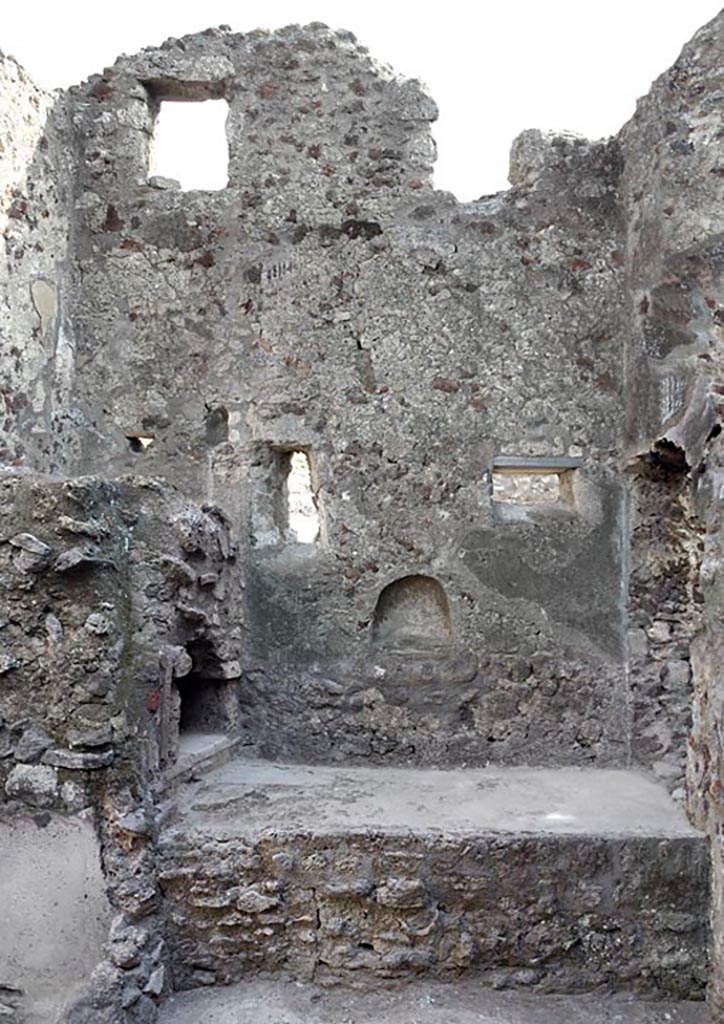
(412, 614)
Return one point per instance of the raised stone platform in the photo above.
(266, 1002)
(564, 879)
(246, 797)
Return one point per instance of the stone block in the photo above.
(77, 760)
(36, 785)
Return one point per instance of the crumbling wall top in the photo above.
(308, 109)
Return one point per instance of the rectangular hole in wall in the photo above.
(284, 507)
(189, 144)
(301, 510)
(533, 480)
(526, 488)
(203, 719)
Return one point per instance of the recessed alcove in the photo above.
(412, 614)
(216, 424)
(202, 705)
(203, 701)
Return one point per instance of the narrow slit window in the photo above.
(302, 515)
(189, 144)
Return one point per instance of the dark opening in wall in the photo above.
(189, 143)
(139, 443)
(217, 425)
(202, 705)
(203, 694)
(672, 456)
(412, 614)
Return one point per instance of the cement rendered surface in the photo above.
(54, 912)
(248, 797)
(267, 1002)
(193, 744)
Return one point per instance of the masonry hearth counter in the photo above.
(324, 475)
(503, 872)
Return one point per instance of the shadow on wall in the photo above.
(413, 614)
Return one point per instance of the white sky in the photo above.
(494, 68)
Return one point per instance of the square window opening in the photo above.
(189, 144)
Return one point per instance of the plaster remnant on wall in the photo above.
(45, 300)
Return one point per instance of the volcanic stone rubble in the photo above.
(467, 738)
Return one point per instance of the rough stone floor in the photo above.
(283, 1002)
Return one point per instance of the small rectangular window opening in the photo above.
(533, 481)
(189, 144)
(527, 488)
(302, 515)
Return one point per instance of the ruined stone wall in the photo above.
(36, 339)
(101, 581)
(361, 907)
(672, 189)
(105, 588)
(665, 602)
(706, 765)
(329, 301)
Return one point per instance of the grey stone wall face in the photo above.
(672, 186)
(330, 301)
(364, 907)
(37, 352)
(162, 352)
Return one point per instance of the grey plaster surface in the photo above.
(54, 913)
(245, 797)
(193, 744)
(267, 1002)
